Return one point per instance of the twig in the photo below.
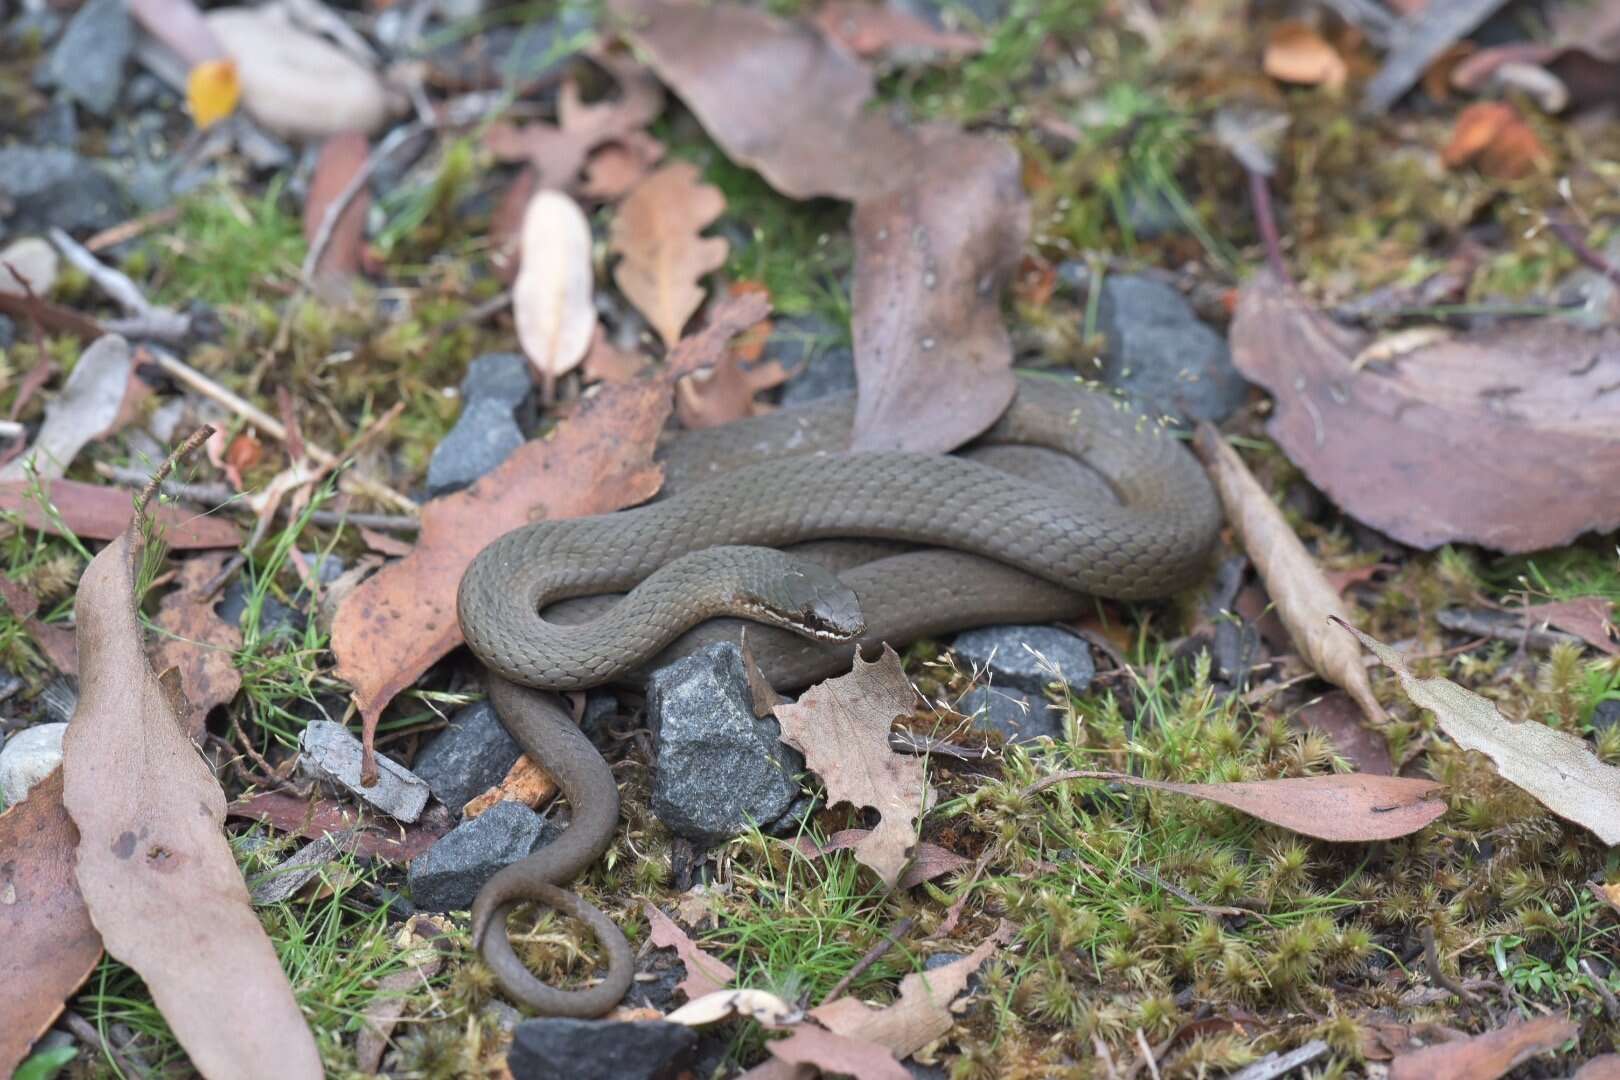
(1274, 1064)
(1266, 219)
(147, 320)
(1152, 878)
(1610, 1004)
(90, 1035)
(1431, 961)
(1147, 1053)
(1417, 41)
(1572, 239)
(194, 440)
(873, 955)
(129, 230)
(202, 384)
(335, 209)
(221, 497)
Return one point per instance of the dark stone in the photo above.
(56, 125)
(48, 185)
(557, 1048)
(467, 758)
(813, 346)
(274, 616)
(797, 817)
(1161, 356)
(1000, 651)
(1606, 715)
(1149, 213)
(88, 62)
(720, 767)
(8, 332)
(448, 876)
(32, 29)
(496, 391)
(1012, 714)
(601, 708)
(146, 91)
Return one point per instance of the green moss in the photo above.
(224, 248)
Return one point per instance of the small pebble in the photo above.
(448, 875)
(331, 753)
(27, 758)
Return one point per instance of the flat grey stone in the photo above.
(1161, 356)
(556, 1047)
(720, 767)
(56, 125)
(1606, 715)
(467, 758)
(502, 377)
(28, 757)
(449, 874)
(331, 754)
(484, 436)
(813, 346)
(50, 185)
(1004, 653)
(88, 61)
(1012, 714)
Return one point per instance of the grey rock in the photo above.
(812, 345)
(274, 616)
(797, 817)
(1004, 652)
(502, 377)
(1606, 715)
(28, 757)
(1149, 213)
(1161, 356)
(497, 393)
(719, 766)
(8, 332)
(1012, 714)
(48, 185)
(467, 758)
(332, 754)
(450, 873)
(146, 90)
(554, 1048)
(88, 62)
(601, 707)
(56, 125)
(31, 29)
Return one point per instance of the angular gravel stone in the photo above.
(332, 754)
(88, 62)
(720, 767)
(553, 1048)
(1162, 356)
(48, 185)
(467, 758)
(448, 876)
(811, 344)
(497, 396)
(27, 758)
(1004, 652)
(1012, 714)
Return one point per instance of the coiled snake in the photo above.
(1072, 494)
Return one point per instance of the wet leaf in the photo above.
(1504, 437)
(1558, 768)
(1338, 717)
(401, 620)
(662, 252)
(1296, 53)
(1486, 1056)
(1343, 807)
(341, 159)
(153, 864)
(1299, 590)
(51, 945)
(551, 298)
(841, 726)
(87, 407)
(198, 643)
(95, 512)
(705, 974)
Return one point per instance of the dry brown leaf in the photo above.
(1299, 591)
(1494, 135)
(1337, 716)
(51, 945)
(841, 1055)
(1504, 438)
(94, 512)
(1590, 618)
(1296, 53)
(557, 152)
(1608, 893)
(506, 223)
(525, 782)
(868, 29)
(198, 642)
(56, 642)
(841, 726)
(88, 405)
(728, 391)
(606, 362)
(940, 221)
(1343, 807)
(153, 864)
(929, 862)
(1486, 1056)
(1558, 768)
(705, 974)
(551, 298)
(380, 1017)
(342, 157)
(662, 252)
(400, 621)
(726, 318)
(620, 165)
(372, 836)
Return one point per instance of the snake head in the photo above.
(800, 596)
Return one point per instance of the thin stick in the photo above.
(1147, 1053)
(1266, 219)
(1431, 960)
(335, 209)
(873, 955)
(129, 230)
(88, 1033)
(194, 440)
(1572, 239)
(148, 320)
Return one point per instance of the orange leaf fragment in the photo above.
(1295, 53)
(1494, 136)
(212, 91)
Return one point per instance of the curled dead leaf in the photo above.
(1484, 1057)
(705, 974)
(1494, 135)
(662, 252)
(764, 1008)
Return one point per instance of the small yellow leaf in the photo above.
(212, 91)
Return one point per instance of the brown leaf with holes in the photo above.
(705, 974)
(1484, 1057)
(1299, 591)
(340, 160)
(195, 640)
(401, 620)
(940, 222)
(841, 726)
(868, 29)
(1506, 437)
(56, 642)
(1296, 53)
(662, 252)
(1344, 807)
(929, 862)
(51, 944)
(96, 512)
(1493, 136)
(1557, 768)
(153, 864)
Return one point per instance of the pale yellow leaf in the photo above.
(551, 298)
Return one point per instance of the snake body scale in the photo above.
(1068, 494)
